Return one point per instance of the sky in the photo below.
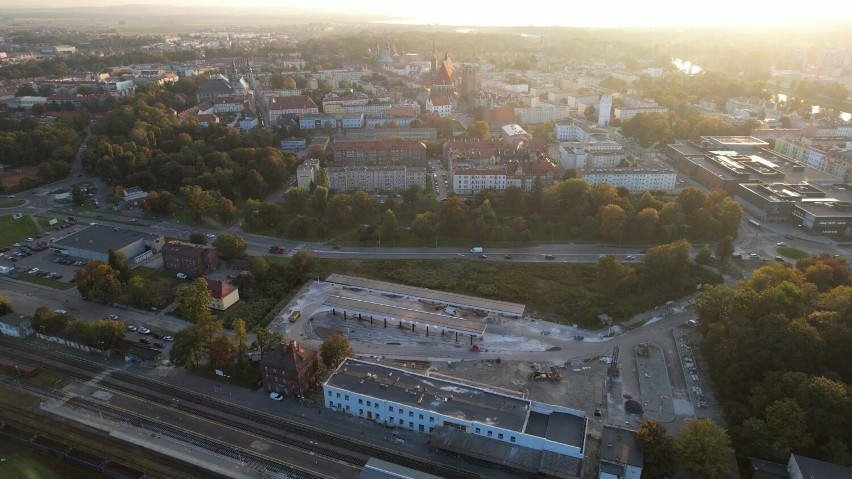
(580, 13)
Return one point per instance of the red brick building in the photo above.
(289, 369)
(189, 258)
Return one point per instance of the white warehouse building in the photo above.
(462, 417)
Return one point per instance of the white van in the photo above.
(181, 275)
(476, 249)
(450, 311)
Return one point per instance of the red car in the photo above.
(337, 246)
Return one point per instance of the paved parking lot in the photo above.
(27, 256)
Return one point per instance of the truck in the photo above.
(476, 249)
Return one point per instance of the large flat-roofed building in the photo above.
(634, 179)
(620, 455)
(443, 297)
(804, 205)
(190, 258)
(331, 120)
(94, 243)
(497, 426)
(375, 178)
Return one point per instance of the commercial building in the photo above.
(337, 121)
(190, 258)
(620, 456)
(289, 369)
(634, 179)
(375, 178)
(94, 243)
(725, 162)
(463, 418)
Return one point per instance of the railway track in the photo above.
(292, 433)
(156, 465)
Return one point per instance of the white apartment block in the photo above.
(375, 178)
(469, 178)
(634, 179)
(306, 172)
(543, 113)
(578, 156)
(626, 113)
(442, 107)
(405, 400)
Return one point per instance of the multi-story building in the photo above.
(224, 294)
(189, 258)
(626, 113)
(460, 416)
(514, 132)
(213, 88)
(543, 113)
(468, 179)
(825, 158)
(337, 121)
(442, 106)
(379, 152)
(290, 105)
(306, 173)
(289, 369)
(375, 178)
(634, 179)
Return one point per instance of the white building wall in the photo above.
(638, 181)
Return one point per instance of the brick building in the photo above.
(188, 258)
(289, 369)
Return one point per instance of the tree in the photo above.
(240, 336)
(669, 263)
(115, 194)
(478, 129)
(5, 305)
(139, 292)
(222, 353)
(704, 449)
(454, 215)
(229, 245)
(297, 200)
(613, 276)
(788, 424)
(725, 248)
(319, 200)
(390, 226)
(198, 201)
(254, 186)
(97, 281)
(266, 341)
(334, 350)
(225, 210)
(198, 238)
(518, 231)
(193, 301)
(646, 223)
(187, 347)
(703, 257)
(425, 225)
(613, 221)
(321, 178)
(513, 200)
(657, 448)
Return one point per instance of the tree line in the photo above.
(777, 346)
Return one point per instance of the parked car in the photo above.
(159, 345)
(144, 330)
(131, 328)
(144, 340)
(113, 317)
(210, 235)
(276, 397)
(158, 335)
(781, 243)
(168, 338)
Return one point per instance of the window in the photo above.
(369, 404)
(329, 393)
(490, 433)
(512, 438)
(346, 397)
(500, 436)
(391, 419)
(376, 405)
(421, 417)
(338, 395)
(410, 424)
(360, 401)
(431, 429)
(331, 404)
(360, 412)
(431, 419)
(478, 431)
(410, 413)
(401, 422)
(390, 408)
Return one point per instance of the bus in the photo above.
(754, 223)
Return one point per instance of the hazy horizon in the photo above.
(617, 13)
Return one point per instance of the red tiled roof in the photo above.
(440, 102)
(402, 110)
(209, 118)
(298, 102)
(220, 289)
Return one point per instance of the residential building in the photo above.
(465, 418)
(634, 179)
(604, 110)
(422, 134)
(543, 113)
(289, 369)
(375, 178)
(224, 294)
(626, 113)
(26, 102)
(189, 258)
(293, 143)
(379, 152)
(469, 179)
(94, 243)
(620, 456)
(290, 105)
(442, 106)
(16, 325)
(213, 88)
(337, 121)
(306, 172)
(826, 158)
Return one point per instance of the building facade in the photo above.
(289, 369)
(188, 258)
(379, 152)
(634, 179)
(224, 294)
(375, 178)
(306, 173)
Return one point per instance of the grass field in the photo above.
(15, 231)
(44, 282)
(790, 252)
(11, 203)
(560, 292)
